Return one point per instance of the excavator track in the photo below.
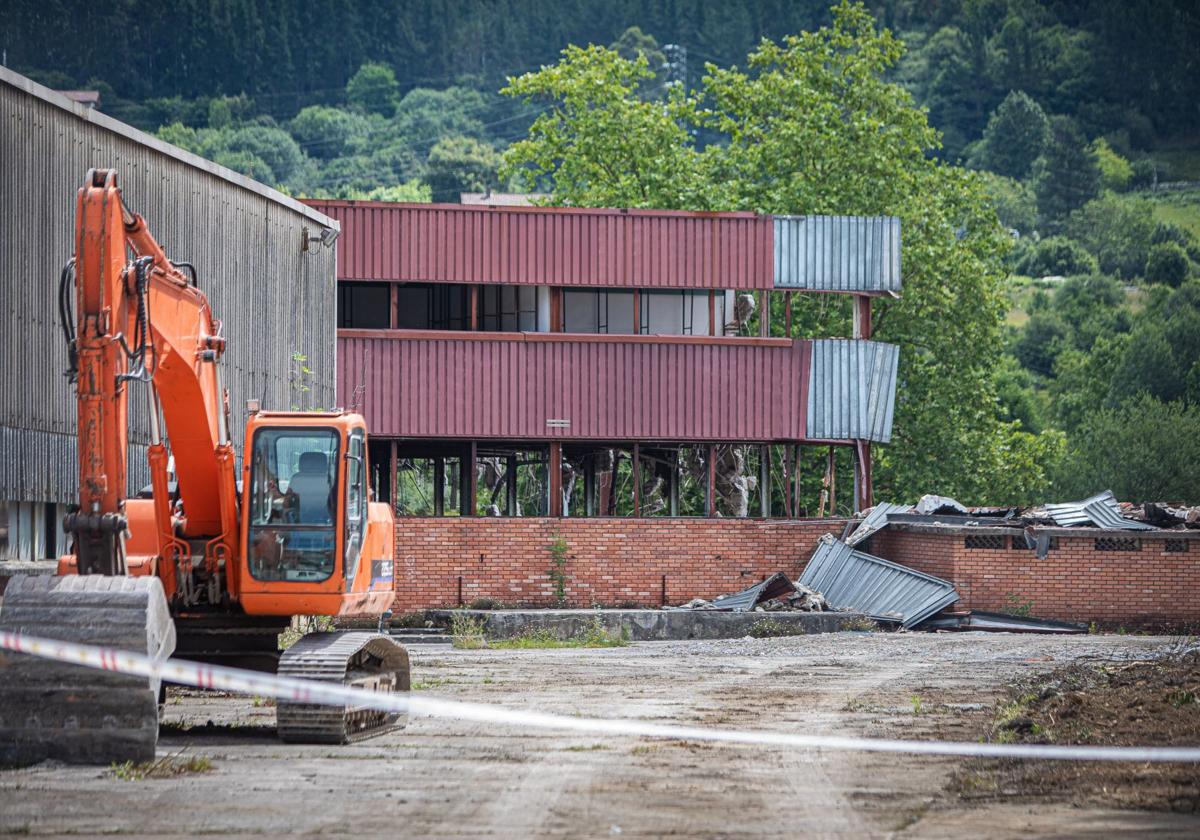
(63, 711)
(360, 659)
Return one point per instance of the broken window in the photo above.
(512, 480)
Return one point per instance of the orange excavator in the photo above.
(212, 565)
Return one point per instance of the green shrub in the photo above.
(1057, 255)
(1167, 264)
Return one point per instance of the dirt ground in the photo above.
(450, 778)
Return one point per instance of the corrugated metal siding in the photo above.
(274, 299)
(646, 249)
(1102, 510)
(852, 392)
(837, 253)
(473, 385)
(32, 466)
(883, 590)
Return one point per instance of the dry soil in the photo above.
(450, 778)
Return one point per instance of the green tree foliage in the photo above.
(325, 132)
(461, 164)
(1117, 230)
(1066, 176)
(274, 146)
(1057, 256)
(1015, 136)
(1168, 264)
(425, 115)
(373, 89)
(1144, 450)
(1013, 200)
(812, 127)
(1041, 341)
(1116, 173)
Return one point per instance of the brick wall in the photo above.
(610, 561)
(1149, 587)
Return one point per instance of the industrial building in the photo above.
(529, 372)
(257, 253)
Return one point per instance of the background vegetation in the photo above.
(1044, 158)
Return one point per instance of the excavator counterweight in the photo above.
(219, 566)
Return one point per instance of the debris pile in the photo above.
(773, 594)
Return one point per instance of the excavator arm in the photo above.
(140, 319)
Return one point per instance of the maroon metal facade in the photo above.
(552, 246)
(607, 388)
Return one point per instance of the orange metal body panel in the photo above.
(181, 363)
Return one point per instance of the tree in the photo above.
(1057, 256)
(274, 146)
(1041, 341)
(425, 115)
(326, 132)
(1015, 136)
(813, 127)
(1014, 201)
(460, 164)
(373, 89)
(1143, 450)
(1168, 264)
(1115, 171)
(1117, 230)
(1066, 176)
(634, 44)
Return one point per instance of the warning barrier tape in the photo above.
(294, 690)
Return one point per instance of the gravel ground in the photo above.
(445, 777)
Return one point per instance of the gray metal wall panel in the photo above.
(274, 299)
(837, 253)
(40, 466)
(852, 390)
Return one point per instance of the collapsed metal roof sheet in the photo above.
(775, 586)
(852, 390)
(837, 253)
(876, 519)
(881, 589)
(1102, 510)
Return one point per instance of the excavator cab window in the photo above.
(293, 504)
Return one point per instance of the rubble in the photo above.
(772, 594)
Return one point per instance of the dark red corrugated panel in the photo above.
(490, 385)
(648, 249)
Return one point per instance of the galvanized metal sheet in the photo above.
(776, 586)
(852, 390)
(44, 466)
(878, 588)
(875, 520)
(574, 386)
(1102, 510)
(277, 302)
(837, 253)
(556, 246)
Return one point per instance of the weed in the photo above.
(1181, 698)
(1017, 605)
(558, 568)
(592, 636)
(767, 628)
(466, 631)
(644, 749)
(166, 767)
(917, 705)
(588, 748)
(260, 702)
(435, 682)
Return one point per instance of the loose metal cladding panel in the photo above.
(557, 246)
(595, 387)
(885, 591)
(837, 253)
(852, 392)
(277, 302)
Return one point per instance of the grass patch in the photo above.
(164, 768)
(587, 748)
(466, 632)
(435, 682)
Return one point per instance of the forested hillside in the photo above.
(1080, 122)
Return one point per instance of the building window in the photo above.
(989, 542)
(1117, 544)
(364, 306)
(1175, 546)
(432, 306)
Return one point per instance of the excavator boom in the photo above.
(194, 561)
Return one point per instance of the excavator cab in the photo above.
(314, 542)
